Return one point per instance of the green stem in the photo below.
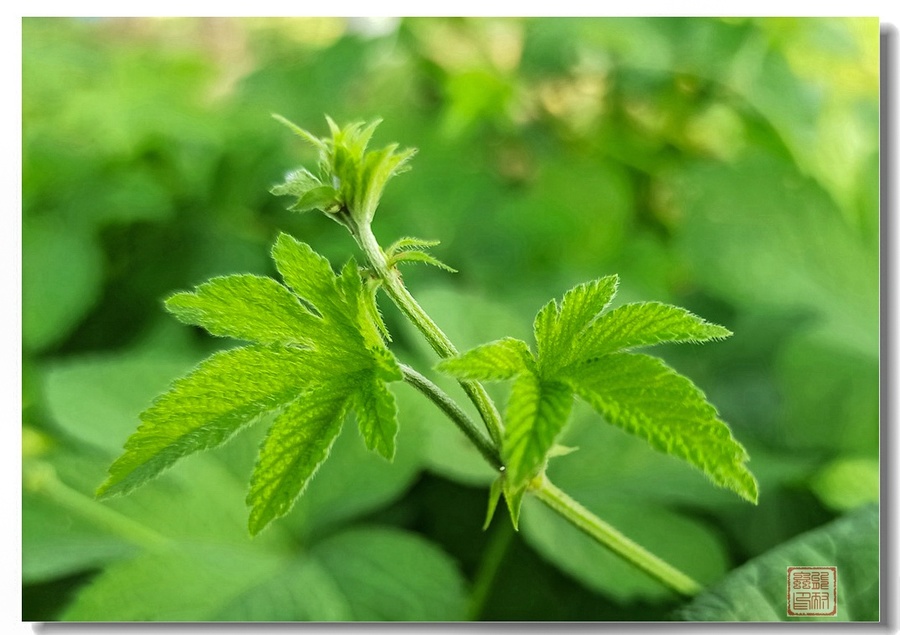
(545, 491)
(397, 291)
(602, 532)
(42, 480)
(487, 572)
(443, 401)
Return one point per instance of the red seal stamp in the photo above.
(812, 591)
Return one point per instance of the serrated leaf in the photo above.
(645, 397)
(535, 415)
(226, 392)
(247, 307)
(357, 307)
(297, 443)
(557, 327)
(376, 170)
(345, 365)
(376, 411)
(371, 300)
(310, 276)
(645, 324)
(502, 359)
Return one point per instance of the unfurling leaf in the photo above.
(350, 176)
(316, 354)
(420, 256)
(410, 249)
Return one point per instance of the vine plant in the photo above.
(318, 349)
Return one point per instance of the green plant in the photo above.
(318, 349)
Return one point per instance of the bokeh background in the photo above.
(729, 166)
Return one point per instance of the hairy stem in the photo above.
(605, 534)
(549, 494)
(400, 295)
(443, 401)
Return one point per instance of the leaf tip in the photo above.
(107, 490)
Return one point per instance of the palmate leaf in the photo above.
(581, 352)
(316, 354)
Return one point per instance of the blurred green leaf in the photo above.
(201, 583)
(96, 399)
(57, 542)
(611, 466)
(830, 396)
(62, 271)
(366, 574)
(469, 319)
(393, 575)
(755, 592)
(779, 243)
(845, 484)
